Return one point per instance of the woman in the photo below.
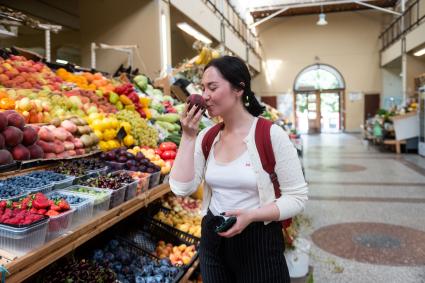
(235, 182)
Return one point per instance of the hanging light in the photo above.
(322, 18)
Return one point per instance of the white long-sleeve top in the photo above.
(293, 187)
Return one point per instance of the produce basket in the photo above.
(154, 179)
(60, 224)
(21, 240)
(21, 194)
(59, 181)
(162, 233)
(141, 261)
(100, 171)
(101, 197)
(154, 209)
(83, 209)
(165, 179)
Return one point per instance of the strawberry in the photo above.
(3, 204)
(16, 204)
(55, 207)
(64, 205)
(40, 201)
(42, 211)
(33, 210)
(51, 213)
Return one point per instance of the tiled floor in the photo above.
(366, 206)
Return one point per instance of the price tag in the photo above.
(121, 134)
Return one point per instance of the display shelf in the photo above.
(27, 265)
(189, 272)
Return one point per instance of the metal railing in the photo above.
(229, 14)
(412, 17)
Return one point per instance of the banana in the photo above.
(201, 57)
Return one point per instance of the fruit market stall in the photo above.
(80, 152)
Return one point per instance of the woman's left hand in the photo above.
(243, 220)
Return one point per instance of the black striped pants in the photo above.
(254, 256)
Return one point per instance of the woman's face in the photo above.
(219, 94)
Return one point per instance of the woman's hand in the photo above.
(243, 217)
(190, 121)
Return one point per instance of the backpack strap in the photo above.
(209, 138)
(268, 161)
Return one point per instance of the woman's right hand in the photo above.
(190, 121)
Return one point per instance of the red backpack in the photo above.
(264, 148)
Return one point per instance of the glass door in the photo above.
(330, 112)
(307, 112)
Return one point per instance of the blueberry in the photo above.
(173, 271)
(151, 279)
(117, 266)
(98, 255)
(139, 279)
(165, 262)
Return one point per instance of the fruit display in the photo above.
(143, 179)
(27, 183)
(179, 204)
(72, 137)
(47, 176)
(144, 134)
(129, 98)
(108, 181)
(17, 141)
(39, 203)
(8, 191)
(106, 129)
(178, 255)
(6, 102)
(87, 164)
(87, 81)
(17, 216)
(132, 265)
(90, 102)
(19, 72)
(123, 159)
(183, 221)
(154, 156)
(72, 270)
(89, 191)
(71, 199)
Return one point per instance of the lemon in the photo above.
(97, 125)
(114, 122)
(104, 146)
(128, 140)
(109, 134)
(126, 126)
(99, 134)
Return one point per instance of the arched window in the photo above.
(319, 77)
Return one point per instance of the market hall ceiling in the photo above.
(259, 12)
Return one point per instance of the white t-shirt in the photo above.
(233, 184)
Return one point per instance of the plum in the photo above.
(198, 100)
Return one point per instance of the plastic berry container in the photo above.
(23, 239)
(83, 209)
(154, 179)
(60, 224)
(101, 197)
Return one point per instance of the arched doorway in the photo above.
(319, 99)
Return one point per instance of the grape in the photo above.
(144, 134)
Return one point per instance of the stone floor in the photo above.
(367, 210)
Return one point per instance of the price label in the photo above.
(121, 134)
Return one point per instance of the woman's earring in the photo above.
(247, 101)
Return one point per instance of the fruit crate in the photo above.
(184, 236)
(154, 179)
(100, 202)
(117, 196)
(83, 210)
(21, 240)
(134, 252)
(165, 233)
(60, 224)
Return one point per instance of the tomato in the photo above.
(168, 154)
(158, 151)
(167, 146)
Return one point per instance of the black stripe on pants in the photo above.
(254, 256)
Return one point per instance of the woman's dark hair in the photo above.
(235, 71)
